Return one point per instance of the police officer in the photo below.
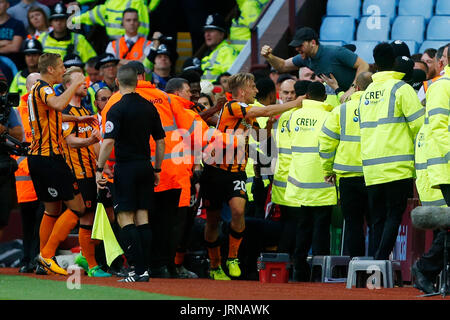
(63, 41)
(220, 54)
(32, 49)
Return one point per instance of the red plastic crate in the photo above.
(273, 267)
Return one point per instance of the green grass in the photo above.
(26, 288)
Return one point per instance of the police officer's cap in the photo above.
(104, 59)
(215, 21)
(32, 46)
(400, 49)
(162, 49)
(405, 65)
(192, 63)
(58, 11)
(73, 60)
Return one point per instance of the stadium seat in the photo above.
(333, 43)
(442, 8)
(373, 29)
(416, 8)
(337, 29)
(439, 28)
(364, 49)
(385, 8)
(432, 44)
(408, 28)
(344, 8)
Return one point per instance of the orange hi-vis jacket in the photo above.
(24, 185)
(121, 50)
(179, 125)
(427, 84)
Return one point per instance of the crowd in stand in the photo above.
(323, 144)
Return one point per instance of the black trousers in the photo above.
(288, 218)
(432, 262)
(164, 219)
(387, 203)
(354, 205)
(31, 213)
(313, 230)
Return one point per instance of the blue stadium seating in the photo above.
(337, 29)
(364, 49)
(443, 8)
(344, 8)
(408, 28)
(439, 28)
(373, 29)
(432, 44)
(386, 8)
(416, 8)
(333, 43)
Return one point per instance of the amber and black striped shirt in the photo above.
(232, 120)
(45, 122)
(82, 161)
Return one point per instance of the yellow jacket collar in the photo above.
(447, 71)
(357, 95)
(307, 103)
(386, 75)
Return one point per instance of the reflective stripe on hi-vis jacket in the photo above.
(340, 135)
(390, 116)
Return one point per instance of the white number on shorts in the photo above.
(239, 185)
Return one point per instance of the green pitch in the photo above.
(27, 288)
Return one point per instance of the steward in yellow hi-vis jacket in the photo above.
(340, 136)
(438, 134)
(306, 183)
(390, 118)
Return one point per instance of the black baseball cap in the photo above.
(105, 58)
(303, 34)
(400, 48)
(140, 69)
(406, 65)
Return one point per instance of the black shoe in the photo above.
(421, 282)
(133, 277)
(40, 271)
(161, 272)
(27, 268)
(123, 272)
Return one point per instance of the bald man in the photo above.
(287, 91)
(31, 79)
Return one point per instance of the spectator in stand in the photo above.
(442, 56)
(37, 22)
(205, 100)
(63, 41)
(20, 10)
(429, 57)
(220, 54)
(162, 66)
(12, 34)
(107, 64)
(341, 62)
(93, 75)
(130, 46)
(32, 50)
(222, 81)
(194, 82)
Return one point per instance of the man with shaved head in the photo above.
(287, 91)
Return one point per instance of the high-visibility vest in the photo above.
(110, 14)
(240, 27)
(340, 138)
(81, 46)
(284, 157)
(254, 147)
(121, 50)
(390, 116)
(428, 196)
(305, 183)
(438, 131)
(427, 84)
(218, 61)
(18, 85)
(24, 184)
